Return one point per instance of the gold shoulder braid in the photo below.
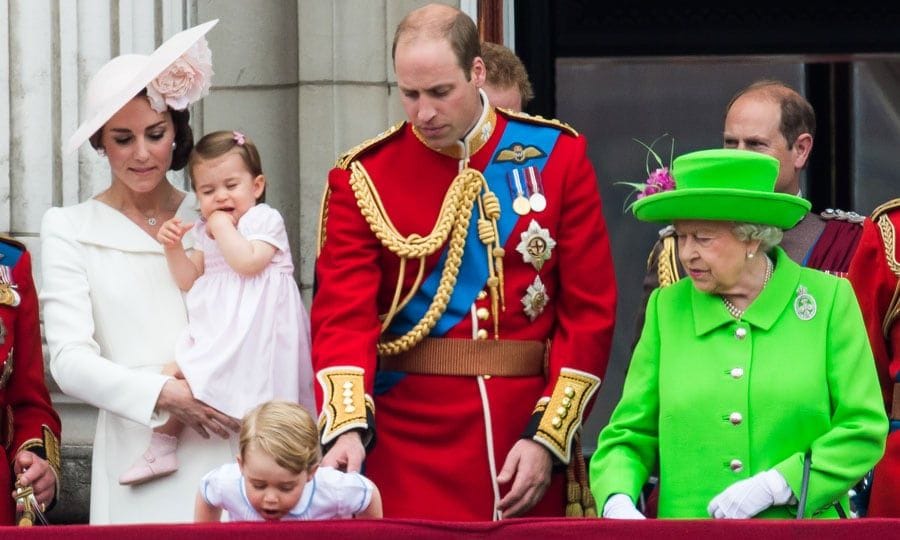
(344, 160)
(667, 263)
(539, 120)
(323, 220)
(888, 234)
(889, 241)
(453, 222)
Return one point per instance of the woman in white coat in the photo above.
(112, 312)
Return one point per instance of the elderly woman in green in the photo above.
(746, 373)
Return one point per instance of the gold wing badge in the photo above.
(518, 153)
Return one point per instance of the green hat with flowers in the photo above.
(724, 185)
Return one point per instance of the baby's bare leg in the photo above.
(171, 428)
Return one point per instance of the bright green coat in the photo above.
(796, 385)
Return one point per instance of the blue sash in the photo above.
(473, 271)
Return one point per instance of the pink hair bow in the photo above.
(238, 138)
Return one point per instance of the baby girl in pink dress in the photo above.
(247, 340)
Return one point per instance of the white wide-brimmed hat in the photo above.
(172, 78)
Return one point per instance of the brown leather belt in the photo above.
(895, 408)
(469, 357)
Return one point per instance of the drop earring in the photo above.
(174, 144)
(750, 254)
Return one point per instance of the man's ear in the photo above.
(478, 72)
(312, 472)
(802, 148)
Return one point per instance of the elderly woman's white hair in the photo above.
(768, 235)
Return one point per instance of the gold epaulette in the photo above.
(888, 233)
(885, 208)
(344, 160)
(323, 220)
(667, 260)
(539, 120)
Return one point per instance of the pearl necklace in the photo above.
(736, 312)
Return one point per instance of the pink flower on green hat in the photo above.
(659, 180)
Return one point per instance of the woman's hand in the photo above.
(177, 399)
(746, 498)
(620, 506)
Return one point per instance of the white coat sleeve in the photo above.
(76, 362)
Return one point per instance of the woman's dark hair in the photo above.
(184, 136)
(184, 139)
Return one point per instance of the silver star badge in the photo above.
(535, 299)
(536, 245)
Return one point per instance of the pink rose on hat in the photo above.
(185, 81)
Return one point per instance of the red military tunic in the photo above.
(433, 457)
(874, 273)
(27, 418)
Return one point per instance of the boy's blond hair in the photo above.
(285, 431)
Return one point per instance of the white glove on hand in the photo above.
(620, 506)
(749, 497)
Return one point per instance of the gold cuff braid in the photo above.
(344, 403)
(47, 446)
(562, 416)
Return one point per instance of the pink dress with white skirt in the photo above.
(247, 339)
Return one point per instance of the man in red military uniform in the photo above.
(466, 295)
(29, 427)
(874, 272)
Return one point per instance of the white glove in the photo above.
(746, 498)
(620, 506)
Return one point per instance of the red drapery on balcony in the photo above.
(572, 529)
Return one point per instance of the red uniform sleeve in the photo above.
(344, 313)
(586, 304)
(875, 284)
(26, 391)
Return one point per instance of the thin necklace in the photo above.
(736, 312)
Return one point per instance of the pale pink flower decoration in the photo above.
(185, 81)
(238, 138)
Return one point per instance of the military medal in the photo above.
(535, 299)
(9, 296)
(536, 188)
(536, 245)
(804, 304)
(520, 203)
